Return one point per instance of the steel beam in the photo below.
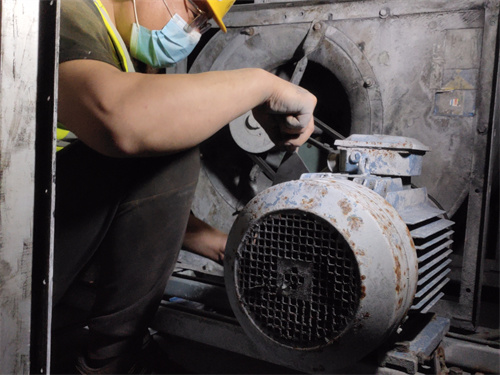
(45, 148)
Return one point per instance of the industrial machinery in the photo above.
(358, 250)
(309, 261)
(374, 249)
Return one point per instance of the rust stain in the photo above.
(397, 269)
(361, 253)
(363, 291)
(346, 234)
(398, 246)
(308, 201)
(366, 315)
(354, 222)
(345, 206)
(400, 302)
(363, 277)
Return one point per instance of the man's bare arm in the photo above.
(132, 114)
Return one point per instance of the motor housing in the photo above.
(325, 268)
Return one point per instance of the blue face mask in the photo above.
(165, 47)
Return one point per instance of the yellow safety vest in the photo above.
(64, 136)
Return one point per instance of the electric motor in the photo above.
(323, 269)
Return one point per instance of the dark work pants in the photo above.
(128, 217)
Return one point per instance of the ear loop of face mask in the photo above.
(200, 22)
(137, 18)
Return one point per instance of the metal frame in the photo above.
(43, 228)
(28, 71)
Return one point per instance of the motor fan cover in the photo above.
(320, 270)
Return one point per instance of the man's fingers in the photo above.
(296, 124)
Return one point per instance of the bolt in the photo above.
(369, 83)
(248, 31)
(317, 26)
(383, 13)
(251, 123)
(481, 128)
(355, 157)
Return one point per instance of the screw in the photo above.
(383, 13)
(317, 26)
(369, 83)
(248, 31)
(355, 157)
(481, 128)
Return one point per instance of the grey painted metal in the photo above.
(363, 155)
(352, 208)
(472, 356)
(433, 239)
(220, 332)
(215, 332)
(249, 135)
(271, 14)
(223, 333)
(474, 247)
(18, 79)
(383, 54)
(210, 295)
(194, 262)
(418, 69)
(409, 355)
(381, 155)
(375, 234)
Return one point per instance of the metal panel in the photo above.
(429, 68)
(470, 355)
(18, 77)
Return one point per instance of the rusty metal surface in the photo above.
(413, 205)
(431, 233)
(429, 230)
(381, 155)
(394, 67)
(423, 70)
(472, 356)
(372, 230)
(284, 237)
(386, 142)
(411, 353)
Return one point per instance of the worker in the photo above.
(127, 173)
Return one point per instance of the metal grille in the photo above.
(298, 279)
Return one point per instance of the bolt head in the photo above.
(383, 13)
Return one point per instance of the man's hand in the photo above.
(204, 240)
(287, 116)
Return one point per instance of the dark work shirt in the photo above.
(84, 34)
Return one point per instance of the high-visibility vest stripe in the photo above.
(116, 39)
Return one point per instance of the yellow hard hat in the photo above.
(219, 9)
